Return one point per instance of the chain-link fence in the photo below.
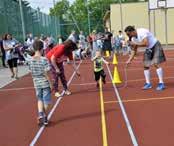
(35, 22)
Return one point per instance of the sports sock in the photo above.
(159, 72)
(147, 75)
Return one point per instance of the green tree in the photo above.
(78, 14)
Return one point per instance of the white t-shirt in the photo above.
(142, 34)
(72, 37)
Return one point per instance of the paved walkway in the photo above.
(5, 75)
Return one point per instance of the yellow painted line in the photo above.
(138, 100)
(103, 121)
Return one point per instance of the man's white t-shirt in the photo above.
(142, 34)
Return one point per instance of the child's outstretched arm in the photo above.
(106, 62)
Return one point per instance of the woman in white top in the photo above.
(10, 46)
(153, 54)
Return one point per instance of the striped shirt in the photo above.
(38, 68)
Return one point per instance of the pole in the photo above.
(166, 30)
(22, 20)
(74, 21)
(55, 20)
(149, 20)
(149, 16)
(121, 14)
(154, 22)
(89, 23)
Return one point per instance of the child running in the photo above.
(98, 68)
(39, 67)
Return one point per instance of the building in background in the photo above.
(138, 14)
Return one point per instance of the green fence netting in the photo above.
(35, 22)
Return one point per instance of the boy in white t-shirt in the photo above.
(153, 54)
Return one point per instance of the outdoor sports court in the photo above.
(113, 115)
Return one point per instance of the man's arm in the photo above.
(133, 53)
(144, 43)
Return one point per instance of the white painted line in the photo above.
(84, 84)
(132, 135)
(16, 89)
(52, 110)
(141, 100)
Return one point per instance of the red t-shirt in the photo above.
(58, 52)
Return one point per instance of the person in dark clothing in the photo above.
(107, 46)
(3, 53)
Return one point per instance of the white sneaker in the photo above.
(67, 92)
(57, 94)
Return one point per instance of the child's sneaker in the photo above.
(67, 92)
(104, 81)
(57, 94)
(160, 87)
(147, 86)
(45, 121)
(40, 121)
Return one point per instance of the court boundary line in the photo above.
(38, 134)
(141, 100)
(103, 119)
(85, 84)
(129, 127)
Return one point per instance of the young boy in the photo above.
(98, 68)
(39, 67)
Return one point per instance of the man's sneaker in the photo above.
(45, 121)
(57, 94)
(67, 92)
(147, 86)
(40, 121)
(160, 87)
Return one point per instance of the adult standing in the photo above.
(153, 54)
(11, 47)
(72, 36)
(94, 43)
(107, 45)
(57, 56)
(3, 52)
(82, 40)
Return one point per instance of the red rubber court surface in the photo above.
(107, 116)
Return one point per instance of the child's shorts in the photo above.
(44, 95)
(98, 74)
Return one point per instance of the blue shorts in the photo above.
(44, 95)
